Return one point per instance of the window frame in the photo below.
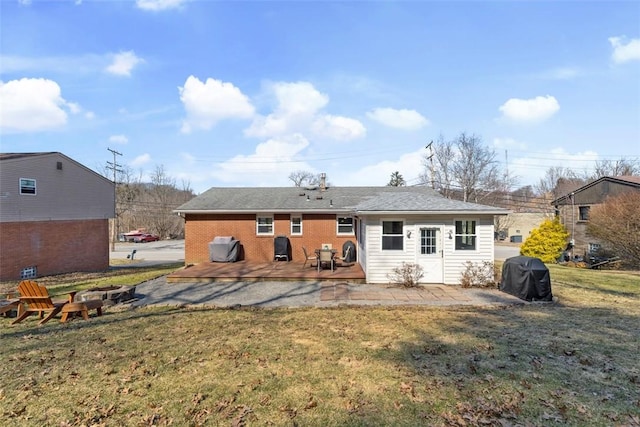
(338, 225)
(258, 225)
(291, 224)
(393, 236)
(583, 213)
(24, 186)
(461, 236)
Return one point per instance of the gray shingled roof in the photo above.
(334, 199)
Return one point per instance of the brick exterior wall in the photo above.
(54, 247)
(316, 230)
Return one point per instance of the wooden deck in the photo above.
(276, 270)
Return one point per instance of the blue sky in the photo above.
(242, 93)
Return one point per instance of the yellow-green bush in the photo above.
(546, 242)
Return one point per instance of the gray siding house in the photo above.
(54, 216)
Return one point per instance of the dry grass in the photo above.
(570, 363)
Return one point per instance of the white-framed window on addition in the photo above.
(296, 225)
(345, 225)
(264, 225)
(28, 186)
(466, 235)
(392, 236)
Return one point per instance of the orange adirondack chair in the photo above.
(36, 299)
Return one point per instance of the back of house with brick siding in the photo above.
(573, 208)
(387, 226)
(54, 216)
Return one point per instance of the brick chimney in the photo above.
(323, 181)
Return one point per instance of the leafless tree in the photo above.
(616, 224)
(301, 178)
(557, 181)
(619, 167)
(465, 167)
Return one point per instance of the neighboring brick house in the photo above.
(573, 208)
(387, 225)
(54, 216)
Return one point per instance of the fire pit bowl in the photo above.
(109, 294)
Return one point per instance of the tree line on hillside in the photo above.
(149, 205)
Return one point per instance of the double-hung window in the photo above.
(466, 235)
(392, 237)
(296, 225)
(264, 225)
(345, 225)
(27, 186)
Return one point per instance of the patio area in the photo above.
(247, 271)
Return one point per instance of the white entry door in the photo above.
(429, 255)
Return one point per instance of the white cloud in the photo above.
(338, 127)
(624, 52)
(123, 63)
(159, 5)
(118, 139)
(31, 105)
(90, 115)
(141, 160)
(409, 165)
(209, 102)
(270, 165)
(530, 110)
(297, 104)
(298, 109)
(399, 119)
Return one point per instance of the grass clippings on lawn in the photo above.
(569, 363)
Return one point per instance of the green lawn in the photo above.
(574, 362)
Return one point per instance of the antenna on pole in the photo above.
(430, 158)
(115, 167)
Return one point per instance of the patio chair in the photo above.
(326, 257)
(35, 299)
(308, 257)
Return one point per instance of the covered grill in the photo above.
(351, 256)
(526, 278)
(224, 249)
(281, 248)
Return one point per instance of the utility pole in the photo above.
(115, 167)
(430, 158)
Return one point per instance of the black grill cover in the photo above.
(352, 251)
(281, 248)
(526, 278)
(223, 249)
